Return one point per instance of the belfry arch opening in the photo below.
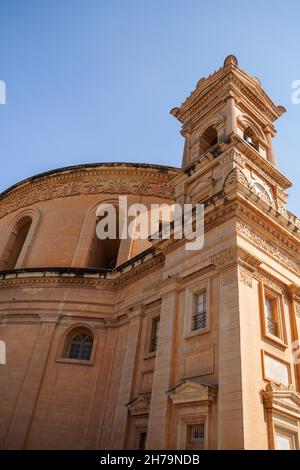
(251, 138)
(208, 139)
(103, 254)
(16, 242)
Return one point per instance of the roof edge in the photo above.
(86, 166)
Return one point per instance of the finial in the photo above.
(281, 110)
(174, 111)
(231, 59)
(200, 82)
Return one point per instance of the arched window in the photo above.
(251, 138)
(104, 253)
(79, 344)
(208, 139)
(15, 244)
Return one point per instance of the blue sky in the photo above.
(94, 80)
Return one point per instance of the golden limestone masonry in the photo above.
(140, 343)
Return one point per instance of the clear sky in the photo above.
(94, 80)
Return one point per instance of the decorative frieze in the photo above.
(268, 247)
(73, 184)
(235, 176)
(224, 258)
(53, 279)
(270, 282)
(233, 156)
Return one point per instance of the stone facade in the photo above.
(230, 380)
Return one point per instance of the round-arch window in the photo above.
(208, 139)
(79, 344)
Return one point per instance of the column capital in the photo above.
(235, 255)
(269, 129)
(49, 317)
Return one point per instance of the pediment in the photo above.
(191, 392)
(282, 398)
(139, 406)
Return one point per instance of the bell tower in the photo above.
(229, 114)
(229, 101)
(251, 252)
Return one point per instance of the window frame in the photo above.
(140, 425)
(35, 215)
(189, 438)
(153, 314)
(285, 431)
(154, 322)
(63, 345)
(88, 230)
(184, 422)
(277, 299)
(191, 292)
(196, 313)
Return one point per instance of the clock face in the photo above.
(261, 191)
(258, 189)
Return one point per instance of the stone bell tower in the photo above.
(252, 243)
(229, 110)
(227, 102)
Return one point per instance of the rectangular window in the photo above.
(154, 335)
(285, 441)
(199, 313)
(272, 314)
(195, 436)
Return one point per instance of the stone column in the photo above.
(186, 133)
(270, 150)
(162, 381)
(19, 427)
(127, 377)
(230, 115)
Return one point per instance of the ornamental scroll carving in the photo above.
(235, 176)
(245, 277)
(71, 186)
(283, 397)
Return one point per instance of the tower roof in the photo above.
(230, 79)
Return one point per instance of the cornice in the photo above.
(261, 163)
(49, 277)
(283, 398)
(139, 406)
(53, 282)
(282, 246)
(218, 81)
(287, 240)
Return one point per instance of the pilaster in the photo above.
(127, 377)
(162, 380)
(21, 420)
